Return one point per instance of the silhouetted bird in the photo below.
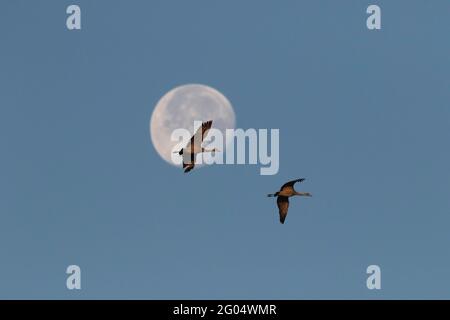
(286, 191)
(194, 146)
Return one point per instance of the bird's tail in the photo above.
(272, 194)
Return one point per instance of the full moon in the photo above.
(183, 105)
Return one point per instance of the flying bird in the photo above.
(194, 146)
(287, 190)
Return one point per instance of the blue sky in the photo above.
(363, 115)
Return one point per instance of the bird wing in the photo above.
(188, 167)
(188, 162)
(199, 135)
(290, 184)
(283, 206)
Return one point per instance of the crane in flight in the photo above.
(287, 190)
(194, 146)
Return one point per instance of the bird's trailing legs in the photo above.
(304, 194)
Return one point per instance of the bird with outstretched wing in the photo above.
(287, 190)
(194, 146)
